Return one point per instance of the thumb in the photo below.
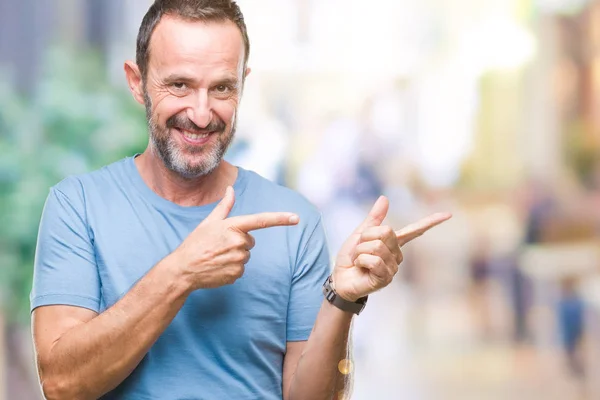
(376, 215)
(224, 207)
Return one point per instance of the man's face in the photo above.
(192, 89)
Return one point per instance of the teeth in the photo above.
(194, 136)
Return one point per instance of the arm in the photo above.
(83, 355)
(367, 262)
(317, 360)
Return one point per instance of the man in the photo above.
(144, 287)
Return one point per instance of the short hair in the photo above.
(188, 10)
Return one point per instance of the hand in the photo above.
(369, 258)
(215, 253)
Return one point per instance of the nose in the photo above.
(200, 112)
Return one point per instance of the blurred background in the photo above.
(488, 109)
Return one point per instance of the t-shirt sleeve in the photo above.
(306, 294)
(65, 270)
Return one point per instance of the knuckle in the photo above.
(229, 227)
(210, 253)
(239, 272)
(400, 258)
(240, 257)
(360, 248)
(359, 260)
(357, 252)
(388, 231)
(228, 279)
(239, 241)
(365, 260)
(235, 273)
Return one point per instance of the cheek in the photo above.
(166, 107)
(226, 111)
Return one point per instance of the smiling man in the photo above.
(148, 283)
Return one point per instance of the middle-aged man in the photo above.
(144, 287)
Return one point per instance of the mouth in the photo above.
(196, 139)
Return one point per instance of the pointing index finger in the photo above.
(247, 223)
(415, 230)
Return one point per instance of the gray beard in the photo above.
(175, 156)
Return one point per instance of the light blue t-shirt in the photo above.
(101, 232)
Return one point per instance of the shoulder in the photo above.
(78, 187)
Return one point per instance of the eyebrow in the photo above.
(178, 78)
(228, 80)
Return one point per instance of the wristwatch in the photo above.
(339, 302)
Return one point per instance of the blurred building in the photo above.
(28, 28)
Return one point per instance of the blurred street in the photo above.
(434, 350)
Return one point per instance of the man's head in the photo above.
(191, 63)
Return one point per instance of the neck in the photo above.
(183, 191)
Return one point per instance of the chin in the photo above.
(190, 170)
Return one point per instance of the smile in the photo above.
(195, 138)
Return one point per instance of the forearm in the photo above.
(93, 358)
(317, 376)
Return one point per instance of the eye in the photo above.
(222, 88)
(178, 85)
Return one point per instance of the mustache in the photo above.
(184, 123)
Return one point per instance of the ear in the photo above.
(134, 81)
(246, 73)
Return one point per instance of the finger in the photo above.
(246, 223)
(222, 210)
(238, 257)
(384, 233)
(415, 230)
(376, 215)
(374, 264)
(250, 241)
(379, 249)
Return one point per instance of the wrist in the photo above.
(343, 303)
(174, 275)
(336, 312)
(344, 296)
(343, 289)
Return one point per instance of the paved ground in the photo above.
(437, 348)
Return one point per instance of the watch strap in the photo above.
(341, 303)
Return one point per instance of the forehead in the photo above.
(177, 44)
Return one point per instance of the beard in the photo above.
(186, 160)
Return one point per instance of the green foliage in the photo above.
(75, 122)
